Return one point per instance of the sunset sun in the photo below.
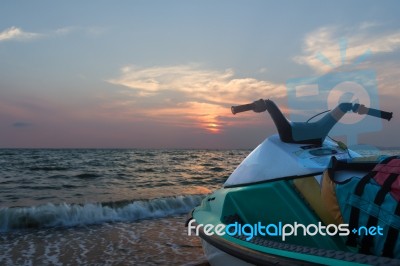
(213, 128)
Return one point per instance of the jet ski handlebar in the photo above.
(262, 105)
(362, 110)
(256, 106)
(304, 132)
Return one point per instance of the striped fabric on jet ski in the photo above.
(370, 201)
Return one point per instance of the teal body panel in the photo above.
(268, 203)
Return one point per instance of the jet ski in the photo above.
(271, 211)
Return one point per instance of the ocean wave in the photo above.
(68, 215)
(58, 176)
(145, 170)
(48, 168)
(140, 161)
(87, 176)
(217, 169)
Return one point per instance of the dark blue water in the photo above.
(50, 198)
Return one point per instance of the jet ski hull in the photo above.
(277, 203)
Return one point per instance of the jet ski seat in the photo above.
(310, 190)
(372, 200)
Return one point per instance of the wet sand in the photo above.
(147, 242)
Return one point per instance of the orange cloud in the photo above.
(205, 95)
(192, 114)
(206, 85)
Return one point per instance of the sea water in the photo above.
(105, 206)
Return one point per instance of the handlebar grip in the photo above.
(380, 114)
(242, 108)
(361, 109)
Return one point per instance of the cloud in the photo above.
(65, 30)
(21, 124)
(321, 48)
(188, 95)
(191, 114)
(369, 24)
(15, 33)
(221, 87)
(93, 31)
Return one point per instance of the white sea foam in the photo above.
(66, 215)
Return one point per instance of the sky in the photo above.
(163, 74)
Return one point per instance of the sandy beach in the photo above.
(147, 242)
